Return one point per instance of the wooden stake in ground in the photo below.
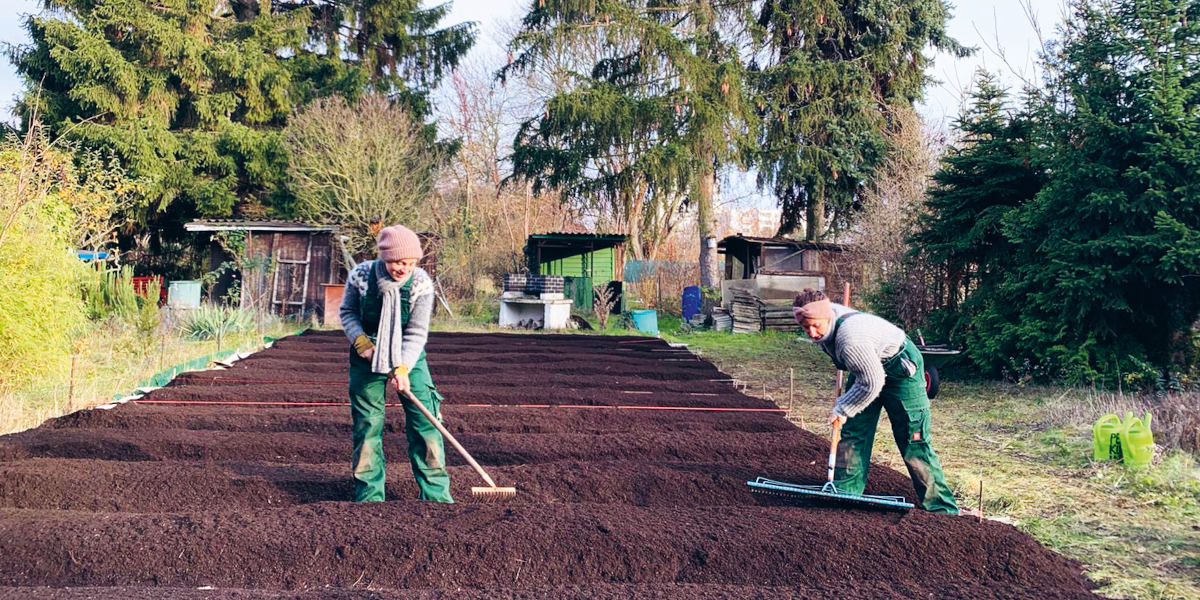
(791, 388)
(845, 302)
(71, 384)
(981, 500)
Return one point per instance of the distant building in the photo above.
(755, 222)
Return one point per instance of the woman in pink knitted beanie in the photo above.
(385, 312)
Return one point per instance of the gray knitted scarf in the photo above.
(389, 338)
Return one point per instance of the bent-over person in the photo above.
(885, 373)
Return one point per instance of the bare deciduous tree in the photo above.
(351, 166)
(891, 206)
(483, 223)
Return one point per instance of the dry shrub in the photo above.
(1175, 418)
(603, 299)
(662, 285)
(898, 285)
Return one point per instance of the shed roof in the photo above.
(250, 225)
(735, 240)
(583, 237)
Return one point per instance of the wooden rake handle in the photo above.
(446, 434)
(837, 437)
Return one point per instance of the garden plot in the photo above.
(235, 480)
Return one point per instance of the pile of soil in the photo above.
(233, 483)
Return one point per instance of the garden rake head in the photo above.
(829, 491)
(494, 492)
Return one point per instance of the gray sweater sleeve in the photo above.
(348, 311)
(869, 377)
(416, 331)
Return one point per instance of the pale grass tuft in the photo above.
(1175, 418)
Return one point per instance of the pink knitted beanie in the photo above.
(398, 243)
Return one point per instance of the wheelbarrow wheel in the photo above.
(931, 382)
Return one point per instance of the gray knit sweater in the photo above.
(406, 347)
(860, 345)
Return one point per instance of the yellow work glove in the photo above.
(362, 343)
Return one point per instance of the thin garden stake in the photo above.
(981, 500)
(71, 384)
(791, 388)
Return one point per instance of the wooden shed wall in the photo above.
(285, 277)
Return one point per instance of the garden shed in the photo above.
(775, 269)
(583, 259)
(281, 267)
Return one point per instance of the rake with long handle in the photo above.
(491, 491)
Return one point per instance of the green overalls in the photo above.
(907, 406)
(368, 392)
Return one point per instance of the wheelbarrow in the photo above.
(935, 357)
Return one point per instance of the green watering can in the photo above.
(1106, 438)
(1137, 441)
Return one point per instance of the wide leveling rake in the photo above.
(828, 491)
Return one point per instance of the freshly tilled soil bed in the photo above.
(238, 486)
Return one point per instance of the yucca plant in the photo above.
(212, 322)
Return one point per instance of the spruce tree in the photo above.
(657, 109)
(988, 172)
(828, 75)
(189, 98)
(1103, 278)
(390, 46)
(192, 95)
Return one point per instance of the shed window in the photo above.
(785, 259)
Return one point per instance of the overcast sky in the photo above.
(994, 26)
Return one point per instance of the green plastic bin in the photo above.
(183, 294)
(645, 320)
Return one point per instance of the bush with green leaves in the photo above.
(111, 295)
(42, 313)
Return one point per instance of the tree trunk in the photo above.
(816, 215)
(710, 275)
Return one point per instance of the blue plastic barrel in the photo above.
(691, 302)
(183, 294)
(645, 320)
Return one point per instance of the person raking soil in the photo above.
(885, 372)
(385, 313)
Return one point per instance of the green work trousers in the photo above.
(907, 406)
(426, 453)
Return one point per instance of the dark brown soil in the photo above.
(247, 500)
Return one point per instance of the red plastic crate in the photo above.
(141, 284)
